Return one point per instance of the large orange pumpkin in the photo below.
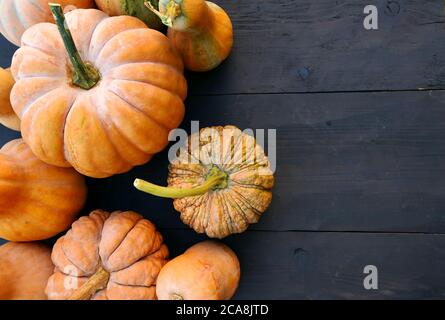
(107, 256)
(37, 200)
(24, 270)
(18, 15)
(106, 108)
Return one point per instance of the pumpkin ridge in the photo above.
(104, 126)
(120, 243)
(86, 274)
(224, 199)
(246, 202)
(141, 111)
(38, 97)
(241, 212)
(147, 82)
(116, 127)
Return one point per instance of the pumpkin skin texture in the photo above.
(208, 270)
(133, 8)
(115, 256)
(24, 270)
(8, 118)
(120, 122)
(221, 181)
(200, 30)
(18, 15)
(37, 200)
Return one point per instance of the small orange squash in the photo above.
(24, 270)
(18, 15)
(208, 270)
(105, 107)
(107, 256)
(135, 8)
(200, 30)
(37, 200)
(8, 118)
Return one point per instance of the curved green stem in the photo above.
(216, 179)
(85, 75)
(172, 11)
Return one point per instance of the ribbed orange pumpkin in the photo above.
(18, 15)
(37, 200)
(110, 108)
(107, 256)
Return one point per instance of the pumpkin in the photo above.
(133, 8)
(208, 270)
(17, 16)
(200, 30)
(221, 181)
(24, 270)
(8, 117)
(107, 256)
(103, 108)
(37, 200)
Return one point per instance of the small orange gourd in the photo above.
(208, 270)
(200, 30)
(37, 200)
(18, 15)
(24, 270)
(8, 118)
(107, 256)
(107, 105)
(135, 8)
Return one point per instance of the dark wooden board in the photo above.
(315, 265)
(319, 46)
(346, 162)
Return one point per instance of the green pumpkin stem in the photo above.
(85, 75)
(172, 11)
(216, 179)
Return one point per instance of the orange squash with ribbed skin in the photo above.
(24, 270)
(18, 15)
(8, 118)
(200, 30)
(208, 270)
(106, 106)
(107, 256)
(37, 200)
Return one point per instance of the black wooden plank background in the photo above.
(360, 149)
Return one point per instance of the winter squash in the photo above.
(17, 16)
(107, 256)
(24, 270)
(37, 200)
(8, 118)
(106, 107)
(135, 8)
(208, 270)
(200, 30)
(221, 181)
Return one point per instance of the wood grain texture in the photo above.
(315, 265)
(318, 46)
(346, 162)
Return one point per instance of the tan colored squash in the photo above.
(107, 256)
(200, 30)
(18, 15)
(24, 270)
(208, 270)
(8, 118)
(221, 181)
(37, 200)
(103, 111)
